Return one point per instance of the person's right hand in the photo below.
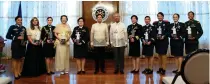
(20, 37)
(144, 42)
(35, 44)
(131, 39)
(48, 41)
(92, 46)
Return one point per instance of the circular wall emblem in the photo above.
(100, 10)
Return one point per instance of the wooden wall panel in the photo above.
(87, 7)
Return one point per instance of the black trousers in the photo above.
(119, 57)
(99, 58)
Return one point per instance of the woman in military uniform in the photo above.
(80, 37)
(48, 49)
(148, 38)
(193, 32)
(176, 40)
(134, 32)
(161, 44)
(17, 33)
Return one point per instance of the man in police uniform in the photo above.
(193, 32)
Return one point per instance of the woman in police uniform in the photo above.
(48, 38)
(193, 32)
(80, 37)
(17, 33)
(161, 43)
(148, 38)
(176, 40)
(134, 32)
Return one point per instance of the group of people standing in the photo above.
(157, 36)
(39, 45)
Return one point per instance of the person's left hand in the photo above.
(176, 38)
(148, 43)
(132, 39)
(162, 37)
(192, 38)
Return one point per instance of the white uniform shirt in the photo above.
(118, 34)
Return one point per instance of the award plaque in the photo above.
(159, 35)
(174, 33)
(63, 38)
(22, 34)
(78, 37)
(50, 36)
(146, 37)
(189, 32)
(37, 38)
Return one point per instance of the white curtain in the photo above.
(152, 7)
(40, 9)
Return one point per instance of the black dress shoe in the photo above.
(16, 78)
(160, 70)
(163, 72)
(145, 71)
(52, 72)
(121, 72)
(96, 72)
(178, 72)
(79, 72)
(116, 71)
(150, 71)
(136, 71)
(48, 73)
(174, 71)
(83, 72)
(133, 71)
(103, 71)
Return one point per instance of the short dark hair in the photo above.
(160, 14)
(99, 15)
(81, 18)
(17, 17)
(49, 18)
(191, 12)
(147, 17)
(134, 16)
(176, 14)
(64, 16)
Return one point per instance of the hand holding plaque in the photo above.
(37, 38)
(50, 36)
(23, 42)
(63, 38)
(132, 35)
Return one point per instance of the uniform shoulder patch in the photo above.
(165, 20)
(155, 22)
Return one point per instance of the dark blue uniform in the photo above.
(197, 32)
(47, 34)
(18, 46)
(81, 51)
(134, 31)
(161, 46)
(177, 45)
(151, 31)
